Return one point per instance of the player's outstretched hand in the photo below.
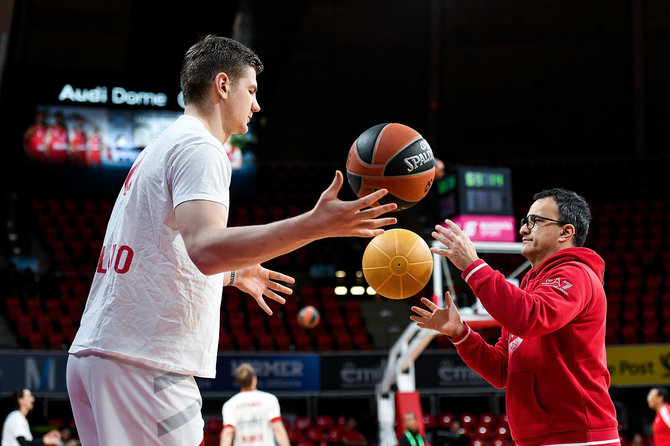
(332, 217)
(459, 248)
(51, 438)
(446, 320)
(258, 282)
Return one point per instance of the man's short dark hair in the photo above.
(209, 57)
(16, 396)
(663, 393)
(572, 208)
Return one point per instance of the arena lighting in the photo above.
(359, 274)
(371, 291)
(340, 274)
(341, 291)
(357, 290)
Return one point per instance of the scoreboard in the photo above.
(479, 200)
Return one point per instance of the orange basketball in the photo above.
(397, 263)
(394, 157)
(308, 317)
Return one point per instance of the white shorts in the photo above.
(117, 403)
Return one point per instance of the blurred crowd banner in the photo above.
(331, 373)
(639, 365)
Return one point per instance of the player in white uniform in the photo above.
(252, 417)
(151, 322)
(16, 430)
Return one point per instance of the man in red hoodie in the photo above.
(550, 357)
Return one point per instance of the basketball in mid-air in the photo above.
(308, 317)
(394, 157)
(397, 264)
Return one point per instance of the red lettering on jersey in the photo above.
(129, 178)
(126, 264)
(120, 261)
(101, 269)
(111, 256)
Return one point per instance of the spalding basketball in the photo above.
(308, 317)
(397, 264)
(394, 157)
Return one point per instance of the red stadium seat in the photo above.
(36, 341)
(467, 420)
(502, 430)
(13, 307)
(214, 425)
(482, 431)
(56, 341)
(429, 421)
(283, 342)
(344, 341)
(294, 435)
(487, 419)
(266, 343)
(302, 342)
(324, 422)
(225, 342)
(502, 420)
(500, 441)
(446, 419)
(314, 434)
(335, 435)
(303, 423)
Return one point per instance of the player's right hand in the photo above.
(332, 217)
(260, 282)
(445, 320)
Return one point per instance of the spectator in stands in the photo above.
(57, 140)
(657, 399)
(252, 417)
(16, 430)
(551, 353)
(411, 436)
(456, 435)
(637, 440)
(34, 138)
(351, 435)
(151, 322)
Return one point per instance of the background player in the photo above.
(252, 417)
(16, 430)
(657, 399)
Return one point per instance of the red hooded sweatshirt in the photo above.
(551, 353)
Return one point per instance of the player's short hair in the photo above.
(663, 393)
(572, 208)
(244, 375)
(209, 57)
(16, 396)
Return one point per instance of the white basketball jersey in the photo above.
(148, 303)
(251, 413)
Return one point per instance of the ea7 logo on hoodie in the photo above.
(558, 283)
(513, 342)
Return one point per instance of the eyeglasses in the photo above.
(530, 220)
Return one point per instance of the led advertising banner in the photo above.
(639, 365)
(276, 373)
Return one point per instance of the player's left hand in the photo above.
(459, 248)
(258, 282)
